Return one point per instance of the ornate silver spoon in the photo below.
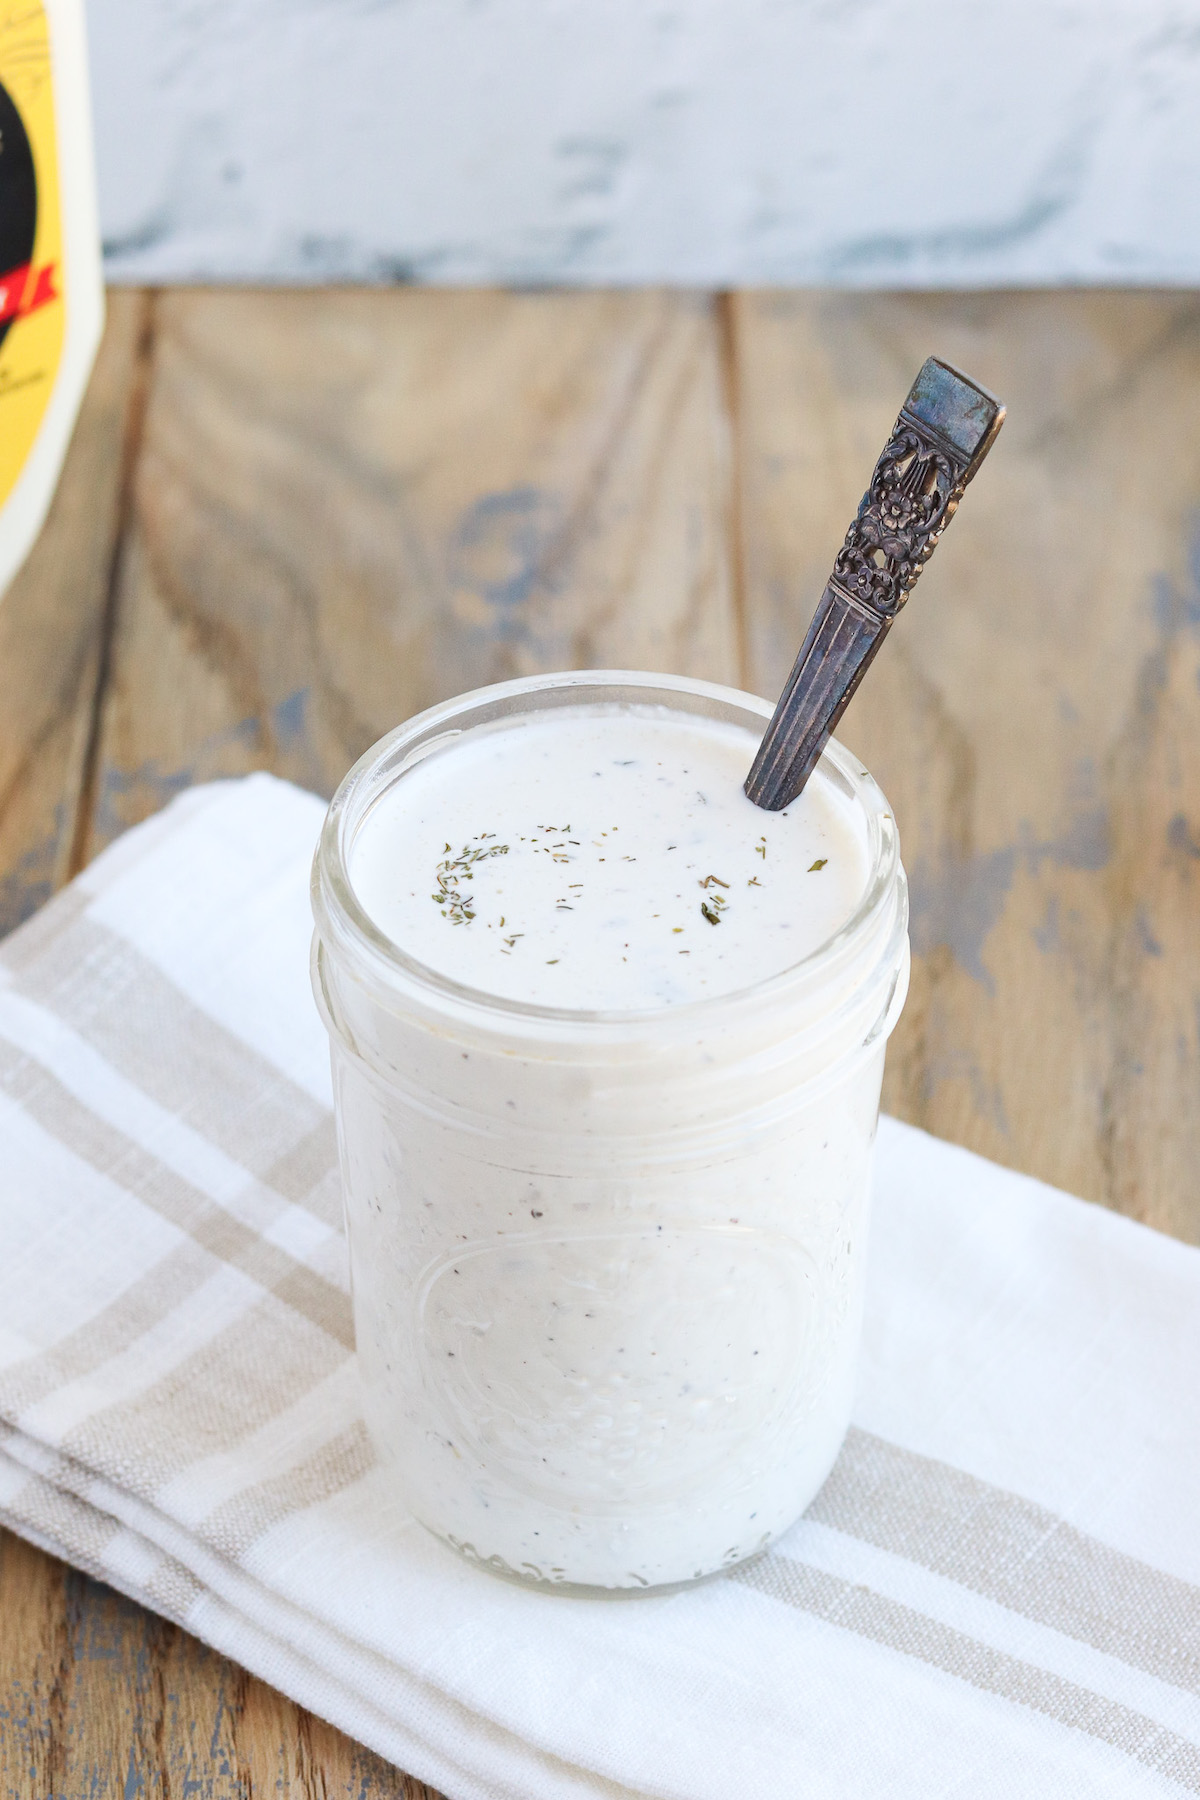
(945, 429)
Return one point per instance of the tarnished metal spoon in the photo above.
(945, 429)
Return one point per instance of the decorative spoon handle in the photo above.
(945, 429)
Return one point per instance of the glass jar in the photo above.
(607, 1267)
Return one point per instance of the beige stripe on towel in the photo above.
(125, 1007)
(897, 1627)
(1014, 1552)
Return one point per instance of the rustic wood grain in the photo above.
(350, 505)
(102, 1700)
(1033, 716)
(347, 506)
(51, 627)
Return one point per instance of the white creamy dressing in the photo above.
(596, 859)
(607, 1302)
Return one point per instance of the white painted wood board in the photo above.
(894, 143)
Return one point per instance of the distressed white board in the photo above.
(900, 143)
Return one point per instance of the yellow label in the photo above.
(32, 307)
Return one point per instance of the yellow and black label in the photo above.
(32, 308)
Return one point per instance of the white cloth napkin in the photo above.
(996, 1594)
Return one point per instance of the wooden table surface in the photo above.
(290, 519)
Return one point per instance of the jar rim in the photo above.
(342, 921)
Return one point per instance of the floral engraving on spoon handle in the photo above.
(913, 495)
(945, 429)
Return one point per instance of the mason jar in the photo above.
(607, 1267)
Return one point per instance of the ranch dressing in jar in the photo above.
(605, 857)
(607, 1043)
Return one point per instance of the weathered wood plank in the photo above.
(100, 1699)
(50, 632)
(52, 623)
(1033, 716)
(352, 504)
(346, 507)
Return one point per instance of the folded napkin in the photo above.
(997, 1592)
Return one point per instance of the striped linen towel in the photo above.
(996, 1594)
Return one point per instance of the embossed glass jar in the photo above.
(607, 1267)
